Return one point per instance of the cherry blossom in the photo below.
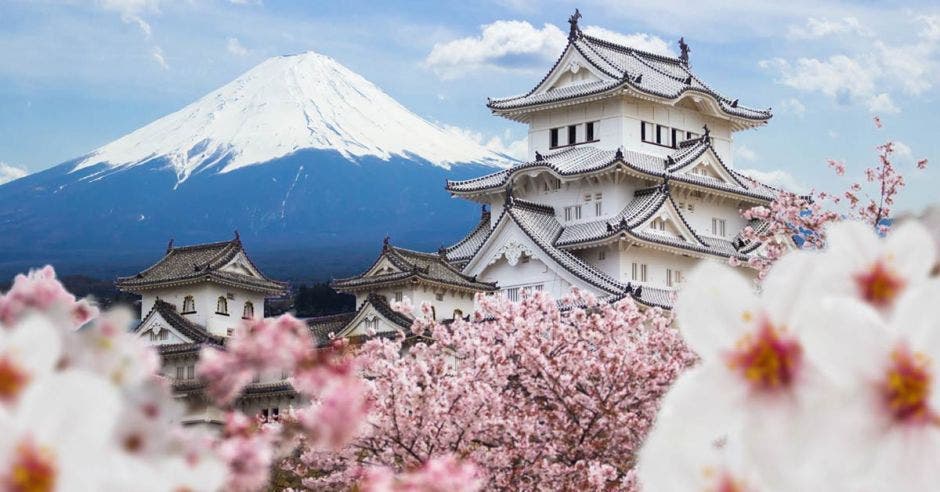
(535, 396)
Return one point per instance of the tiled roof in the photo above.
(413, 266)
(646, 203)
(321, 327)
(465, 248)
(185, 327)
(573, 161)
(539, 223)
(200, 262)
(627, 67)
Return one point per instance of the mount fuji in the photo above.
(309, 161)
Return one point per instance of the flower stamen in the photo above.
(33, 470)
(12, 379)
(879, 286)
(767, 359)
(907, 386)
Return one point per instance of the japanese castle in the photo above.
(195, 297)
(629, 182)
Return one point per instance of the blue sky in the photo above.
(77, 74)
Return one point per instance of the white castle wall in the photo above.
(205, 297)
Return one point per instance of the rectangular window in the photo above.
(639, 272)
(553, 138)
(598, 208)
(572, 134)
(577, 212)
(669, 277)
(589, 131)
(256, 378)
(275, 414)
(264, 414)
(648, 132)
(664, 135)
(718, 227)
(513, 294)
(439, 296)
(690, 135)
(539, 287)
(678, 136)
(191, 372)
(602, 255)
(399, 296)
(691, 207)
(587, 197)
(179, 372)
(567, 214)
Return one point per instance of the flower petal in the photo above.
(911, 251)
(35, 342)
(715, 308)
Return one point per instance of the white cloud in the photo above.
(903, 150)
(132, 11)
(817, 28)
(518, 45)
(793, 106)
(157, 54)
(745, 153)
(875, 70)
(516, 149)
(640, 41)
(881, 104)
(9, 173)
(777, 178)
(235, 47)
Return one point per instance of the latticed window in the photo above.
(249, 311)
(189, 304)
(221, 306)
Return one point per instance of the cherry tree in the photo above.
(797, 220)
(535, 395)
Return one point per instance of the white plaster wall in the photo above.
(700, 218)
(657, 263)
(419, 295)
(205, 296)
(527, 273)
(619, 120)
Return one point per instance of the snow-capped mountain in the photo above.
(310, 162)
(288, 103)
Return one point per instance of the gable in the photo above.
(509, 257)
(668, 221)
(369, 321)
(163, 332)
(241, 265)
(382, 267)
(572, 69)
(707, 165)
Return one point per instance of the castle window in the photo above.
(512, 294)
(221, 306)
(639, 272)
(690, 135)
(601, 255)
(718, 227)
(589, 131)
(458, 314)
(180, 372)
(664, 135)
(568, 213)
(678, 136)
(577, 212)
(572, 134)
(691, 207)
(191, 371)
(399, 296)
(553, 138)
(439, 296)
(658, 224)
(189, 305)
(249, 311)
(647, 132)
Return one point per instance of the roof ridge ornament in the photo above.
(574, 32)
(237, 237)
(707, 135)
(619, 155)
(638, 79)
(684, 51)
(734, 103)
(169, 245)
(538, 156)
(385, 242)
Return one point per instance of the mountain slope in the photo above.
(287, 103)
(311, 163)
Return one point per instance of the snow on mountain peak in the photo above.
(285, 104)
